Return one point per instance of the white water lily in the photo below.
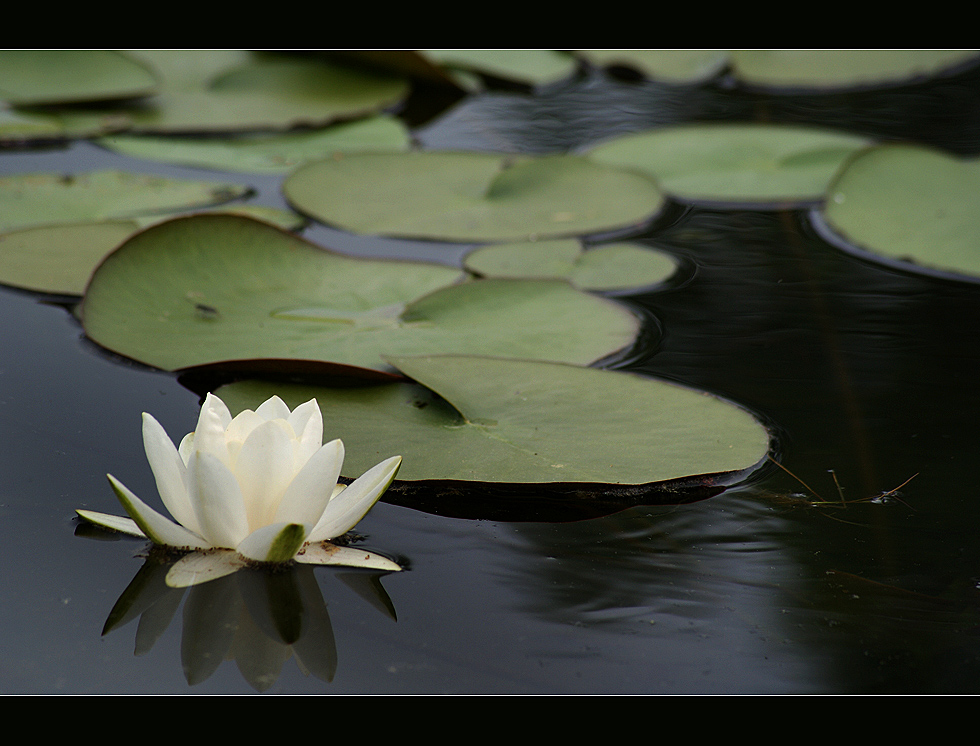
(259, 487)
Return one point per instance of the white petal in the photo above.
(217, 501)
(242, 426)
(214, 405)
(276, 543)
(307, 423)
(273, 408)
(170, 473)
(325, 553)
(157, 528)
(264, 470)
(346, 509)
(210, 437)
(186, 447)
(112, 522)
(200, 567)
(307, 496)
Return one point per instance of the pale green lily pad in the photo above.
(209, 91)
(613, 266)
(30, 77)
(59, 259)
(471, 196)
(735, 164)
(28, 200)
(476, 419)
(667, 65)
(206, 288)
(529, 66)
(276, 154)
(910, 204)
(24, 125)
(829, 69)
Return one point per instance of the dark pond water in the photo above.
(867, 376)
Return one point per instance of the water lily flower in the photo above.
(257, 488)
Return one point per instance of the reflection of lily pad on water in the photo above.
(614, 266)
(209, 288)
(471, 196)
(911, 206)
(476, 419)
(735, 164)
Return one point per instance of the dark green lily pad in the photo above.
(278, 154)
(911, 205)
(735, 164)
(204, 289)
(471, 196)
(59, 259)
(28, 200)
(31, 77)
(835, 69)
(614, 266)
(474, 419)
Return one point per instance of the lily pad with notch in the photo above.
(735, 165)
(466, 197)
(473, 431)
(267, 293)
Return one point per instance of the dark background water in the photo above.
(860, 369)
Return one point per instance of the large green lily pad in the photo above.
(224, 90)
(911, 205)
(277, 154)
(735, 164)
(666, 65)
(613, 266)
(476, 419)
(59, 259)
(471, 196)
(45, 199)
(30, 77)
(529, 66)
(204, 289)
(832, 69)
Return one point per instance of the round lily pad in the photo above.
(202, 93)
(59, 259)
(912, 206)
(471, 196)
(666, 65)
(208, 288)
(31, 77)
(833, 69)
(614, 266)
(735, 164)
(530, 66)
(474, 419)
(43, 199)
(277, 154)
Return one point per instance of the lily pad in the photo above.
(277, 154)
(44, 199)
(59, 259)
(529, 66)
(910, 205)
(211, 91)
(207, 288)
(474, 419)
(31, 77)
(666, 65)
(613, 266)
(471, 196)
(834, 69)
(735, 164)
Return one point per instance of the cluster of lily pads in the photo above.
(486, 374)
